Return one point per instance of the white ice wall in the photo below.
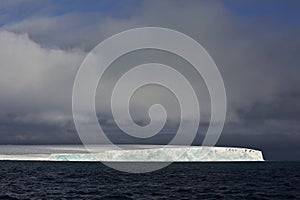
(171, 154)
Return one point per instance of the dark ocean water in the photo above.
(69, 180)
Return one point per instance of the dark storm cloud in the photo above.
(15, 131)
(285, 107)
(258, 58)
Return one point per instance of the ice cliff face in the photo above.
(170, 154)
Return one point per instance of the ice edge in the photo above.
(151, 154)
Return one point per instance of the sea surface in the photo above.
(88, 180)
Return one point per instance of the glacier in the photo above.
(137, 153)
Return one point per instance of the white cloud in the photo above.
(34, 78)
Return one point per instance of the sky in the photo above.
(255, 44)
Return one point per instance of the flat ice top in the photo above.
(55, 149)
(49, 149)
(40, 149)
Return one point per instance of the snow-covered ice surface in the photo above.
(131, 153)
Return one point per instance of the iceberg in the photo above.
(143, 153)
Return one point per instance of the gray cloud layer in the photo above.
(40, 54)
